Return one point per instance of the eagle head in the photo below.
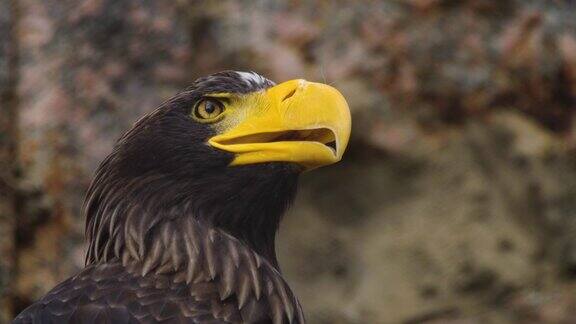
(227, 151)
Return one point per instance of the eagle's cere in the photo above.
(181, 217)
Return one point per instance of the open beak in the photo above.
(297, 121)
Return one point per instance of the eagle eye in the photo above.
(208, 110)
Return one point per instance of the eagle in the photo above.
(181, 217)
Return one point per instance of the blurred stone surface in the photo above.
(454, 204)
(88, 70)
(8, 121)
(455, 232)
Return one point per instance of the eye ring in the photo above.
(208, 110)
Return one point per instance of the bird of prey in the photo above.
(181, 217)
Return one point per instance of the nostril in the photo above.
(289, 94)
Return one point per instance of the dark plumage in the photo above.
(176, 234)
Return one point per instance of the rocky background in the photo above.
(456, 202)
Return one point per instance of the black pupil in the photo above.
(210, 107)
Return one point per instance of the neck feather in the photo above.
(129, 215)
(153, 229)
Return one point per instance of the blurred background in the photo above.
(456, 202)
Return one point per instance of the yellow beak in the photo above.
(297, 121)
